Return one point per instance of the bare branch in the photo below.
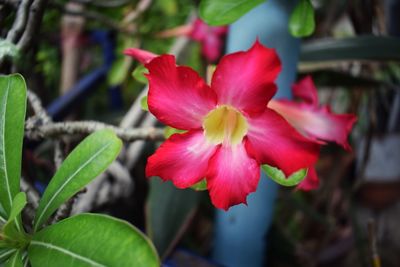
(35, 131)
(19, 22)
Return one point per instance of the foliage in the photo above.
(74, 240)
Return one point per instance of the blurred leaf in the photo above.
(5, 253)
(279, 177)
(7, 48)
(169, 7)
(91, 240)
(200, 186)
(302, 20)
(15, 260)
(143, 103)
(223, 12)
(354, 48)
(168, 212)
(117, 73)
(12, 120)
(138, 74)
(90, 158)
(168, 131)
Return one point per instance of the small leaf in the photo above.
(5, 253)
(90, 158)
(143, 103)
(168, 131)
(302, 21)
(200, 186)
(92, 240)
(138, 74)
(13, 227)
(279, 177)
(7, 48)
(12, 119)
(15, 260)
(223, 12)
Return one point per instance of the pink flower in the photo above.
(315, 122)
(210, 37)
(230, 129)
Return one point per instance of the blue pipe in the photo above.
(240, 233)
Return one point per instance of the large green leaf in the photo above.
(302, 21)
(354, 48)
(91, 240)
(5, 253)
(279, 177)
(169, 210)
(12, 119)
(223, 12)
(90, 158)
(15, 260)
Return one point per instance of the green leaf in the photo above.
(7, 48)
(92, 240)
(90, 158)
(168, 131)
(15, 260)
(12, 119)
(5, 253)
(13, 227)
(143, 103)
(138, 74)
(223, 12)
(169, 212)
(353, 48)
(279, 177)
(200, 186)
(302, 20)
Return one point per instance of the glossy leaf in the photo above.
(302, 20)
(279, 177)
(223, 12)
(12, 119)
(90, 158)
(6, 253)
(13, 227)
(15, 260)
(91, 240)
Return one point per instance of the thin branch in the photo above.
(20, 21)
(35, 18)
(37, 107)
(34, 131)
(105, 3)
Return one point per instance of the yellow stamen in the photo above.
(225, 124)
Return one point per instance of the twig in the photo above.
(35, 18)
(34, 131)
(142, 6)
(37, 107)
(19, 22)
(105, 3)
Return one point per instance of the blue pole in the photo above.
(240, 233)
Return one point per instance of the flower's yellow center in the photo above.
(225, 124)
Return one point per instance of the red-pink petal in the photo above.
(311, 182)
(305, 90)
(278, 144)
(182, 159)
(142, 56)
(231, 176)
(316, 123)
(177, 95)
(211, 48)
(245, 80)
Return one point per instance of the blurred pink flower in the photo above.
(211, 38)
(230, 129)
(316, 122)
